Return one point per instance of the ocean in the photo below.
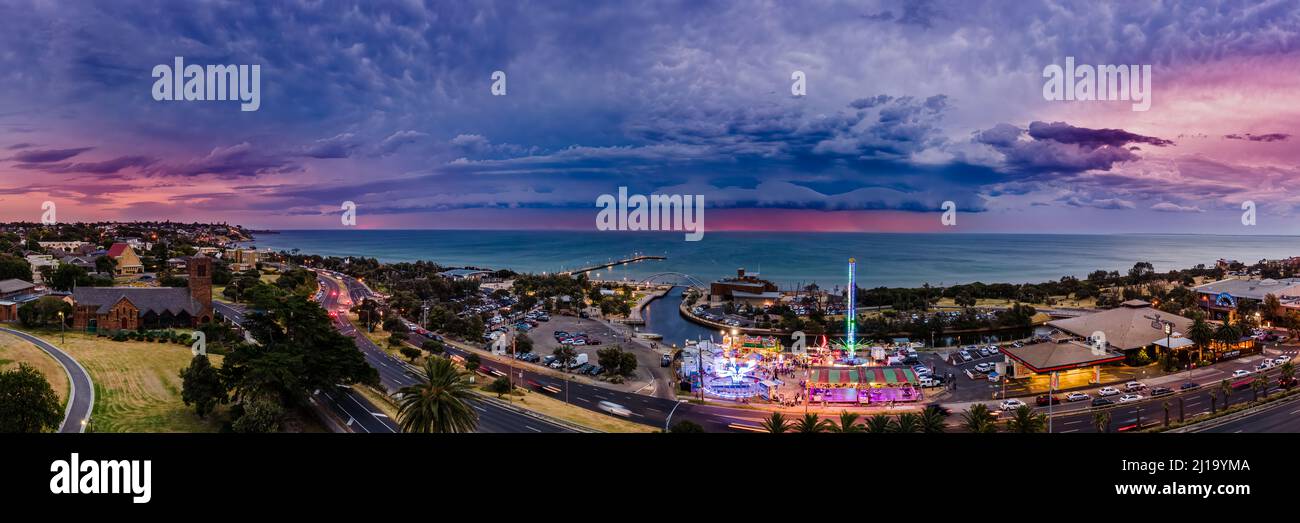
(790, 259)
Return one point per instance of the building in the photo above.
(1221, 299)
(63, 246)
(1127, 329)
(241, 260)
(128, 263)
(15, 287)
(112, 308)
(465, 274)
(743, 290)
(40, 260)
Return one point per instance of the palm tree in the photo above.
(812, 423)
(907, 423)
(978, 419)
(1259, 384)
(441, 402)
(1180, 409)
(776, 423)
(848, 422)
(880, 424)
(1026, 421)
(1200, 333)
(1102, 421)
(1226, 389)
(1227, 333)
(932, 421)
(1286, 372)
(1167, 405)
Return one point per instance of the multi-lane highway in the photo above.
(395, 373)
(81, 396)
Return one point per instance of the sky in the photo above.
(907, 105)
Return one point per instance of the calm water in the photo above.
(796, 258)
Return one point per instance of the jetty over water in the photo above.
(615, 263)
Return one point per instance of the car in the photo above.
(1161, 391)
(614, 408)
(1240, 373)
(1011, 404)
(1045, 400)
(993, 349)
(984, 367)
(1281, 359)
(984, 353)
(555, 364)
(1076, 396)
(929, 381)
(593, 341)
(595, 370)
(1189, 386)
(1134, 385)
(965, 356)
(1129, 398)
(582, 369)
(1108, 391)
(579, 342)
(1264, 365)
(1102, 402)
(921, 370)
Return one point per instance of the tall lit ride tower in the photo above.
(851, 313)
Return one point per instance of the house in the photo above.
(15, 287)
(113, 308)
(128, 263)
(85, 262)
(241, 259)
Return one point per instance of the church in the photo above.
(131, 308)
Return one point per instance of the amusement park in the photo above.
(742, 367)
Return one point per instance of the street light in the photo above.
(62, 338)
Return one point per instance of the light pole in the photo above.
(62, 338)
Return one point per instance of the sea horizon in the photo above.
(792, 259)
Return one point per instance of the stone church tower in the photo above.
(200, 282)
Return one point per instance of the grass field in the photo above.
(14, 350)
(137, 384)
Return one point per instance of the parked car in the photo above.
(965, 356)
(931, 381)
(1134, 385)
(1129, 398)
(984, 367)
(1189, 386)
(1102, 402)
(984, 353)
(1239, 373)
(1044, 400)
(993, 349)
(1076, 396)
(1108, 391)
(595, 370)
(1161, 391)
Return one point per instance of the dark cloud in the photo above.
(1062, 148)
(1271, 137)
(104, 167)
(48, 155)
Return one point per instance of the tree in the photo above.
(441, 402)
(812, 423)
(472, 362)
(44, 312)
(1101, 420)
(1200, 333)
(410, 352)
(434, 347)
(13, 267)
(907, 423)
(978, 419)
(1225, 388)
(1259, 384)
(879, 424)
(523, 344)
(201, 386)
(67, 276)
(105, 265)
(1026, 421)
(259, 412)
(847, 423)
(500, 386)
(776, 423)
(27, 402)
(932, 420)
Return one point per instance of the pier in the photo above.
(616, 263)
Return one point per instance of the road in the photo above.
(395, 373)
(357, 413)
(81, 397)
(1283, 417)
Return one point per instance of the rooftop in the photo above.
(156, 299)
(15, 285)
(1052, 356)
(1252, 289)
(1132, 325)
